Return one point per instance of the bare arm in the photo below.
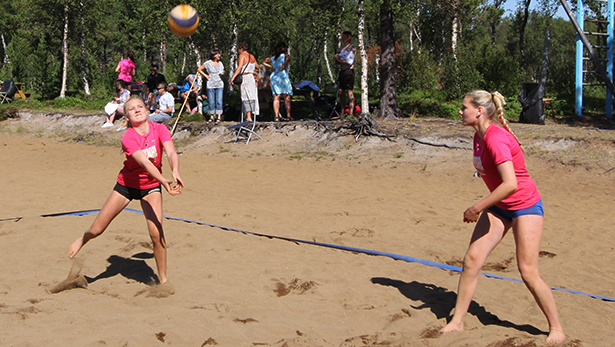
(507, 187)
(201, 70)
(240, 64)
(142, 160)
(286, 62)
(169, 149)
(267, 63)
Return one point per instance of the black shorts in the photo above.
(346, 79)
(134, 193)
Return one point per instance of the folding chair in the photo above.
(327, 98)
(8, 91)
(245, 129)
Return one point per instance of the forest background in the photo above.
(421, 56)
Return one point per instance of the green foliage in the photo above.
(432, 75)
(426, 103)
(418, 72)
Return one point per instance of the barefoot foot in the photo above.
(556, 336)
(452, 327)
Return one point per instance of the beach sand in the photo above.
(242, 289)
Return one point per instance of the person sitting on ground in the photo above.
(116, 106)
(189, 89)
(166, 105)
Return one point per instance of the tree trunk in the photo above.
(526, 14)
(233, 54)
(388, 108)
(442, 39)
(84, 76)
(455, 35)
(163, 56)
(64, 53)
(327, 63)
(6, 56)
(364, 87)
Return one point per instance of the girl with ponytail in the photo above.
(513, 203)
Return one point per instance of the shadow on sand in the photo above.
(132, 269)
(440, 301)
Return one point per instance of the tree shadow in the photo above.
(132, 269)
(440, 301)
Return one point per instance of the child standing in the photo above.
(141, 179)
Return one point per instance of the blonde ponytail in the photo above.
(493, 103)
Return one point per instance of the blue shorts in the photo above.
(134, 193)
(509, 215)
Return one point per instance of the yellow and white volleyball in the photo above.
(183, 20)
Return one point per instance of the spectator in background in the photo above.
(166, 105)
(155, 78)
(248, 68)
(126, 69)
(280, 82)
(116, 106)
(213, 71)
(345, 59)
(189, 89)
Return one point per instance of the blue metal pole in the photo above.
(578, 106)
(609, 64)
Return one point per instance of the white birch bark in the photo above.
(455, 35)
(6, 56)
(163, 56)
(327, 57)
(64, 53)
(364, 86)
(233, 55)
(86, 85)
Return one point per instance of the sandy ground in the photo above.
(236, 289)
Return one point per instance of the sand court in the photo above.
(235, 289)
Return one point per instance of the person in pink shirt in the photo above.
(141, 178)
(513, 203)
(126, 69)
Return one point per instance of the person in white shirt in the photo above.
(345, 59)
(166, 105)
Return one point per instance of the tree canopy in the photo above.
(445, 47)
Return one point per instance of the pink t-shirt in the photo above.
(126, 67)
(496, 147)
(133, 175)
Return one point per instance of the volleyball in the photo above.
(183, 20)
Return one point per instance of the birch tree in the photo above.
(364, 69)
(64, 52)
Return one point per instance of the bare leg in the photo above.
(287, 100)
(152, 209)
(488, 232)
(528, 232)
(351, 102)
(249, 116)
(113, 206)
(276, 106)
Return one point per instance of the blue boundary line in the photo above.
(329, 245)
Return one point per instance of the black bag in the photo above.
(238, 80)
